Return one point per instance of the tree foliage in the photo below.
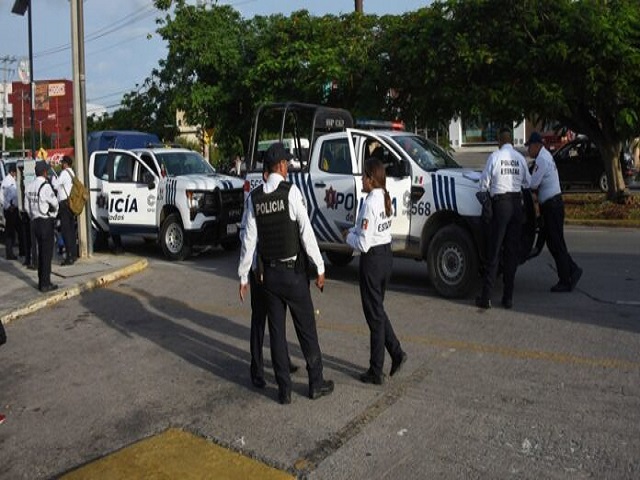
(577, 62)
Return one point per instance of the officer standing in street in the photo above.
(258, 312)
(547, 183)
(9, 202)
(504, 177)
(42, 208)
(63, 185)
(371, 236)
(278, 224)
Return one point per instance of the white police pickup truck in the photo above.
(171, 194)
(436, 214)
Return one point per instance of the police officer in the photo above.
(277, 221)
(63, 185)
(504, 177)
(547, 183)
(258, 313)
(371, 236)
(9, 201)
(42, 208)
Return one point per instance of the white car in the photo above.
(171, 194)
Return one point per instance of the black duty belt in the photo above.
(507, 195)
(380, 249)
(555, 199)
(281, 263)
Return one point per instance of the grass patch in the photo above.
(595, 209)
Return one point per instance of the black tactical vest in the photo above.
(278, 235)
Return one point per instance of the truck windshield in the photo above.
(425, 153)
(183, 163)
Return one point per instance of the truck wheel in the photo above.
(452, 261)
(173, 239)
(603, 182)
(339, 259)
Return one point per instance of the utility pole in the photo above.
(359, 6)
(80, 119)
(5, 61)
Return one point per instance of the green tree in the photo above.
(576, 62)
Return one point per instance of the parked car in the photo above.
(580, 164)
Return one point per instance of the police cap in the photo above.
(535, 137)
(275, 154)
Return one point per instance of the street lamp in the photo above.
(19, 8)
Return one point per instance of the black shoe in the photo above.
(561, 287)
(575, 277)
(507, 303)
(258, 382)
(482, 302)
(31, 267)
(370, 377)
(293, 368)
(284, 396)
(396, 363)
(325, 388)
(48, 288)
(68, 261)
(11, 257)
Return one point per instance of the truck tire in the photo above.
(339, 259)
(173, 239)
(452, 260)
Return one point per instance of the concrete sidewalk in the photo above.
(19, 294)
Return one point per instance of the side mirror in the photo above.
(405, 168)
(149, 180)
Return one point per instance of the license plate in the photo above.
(232, 228)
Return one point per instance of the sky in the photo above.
(121, 45)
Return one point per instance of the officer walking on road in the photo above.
(278, 224)
(371, 236)
(43, 207)
(547, 183)
(504, 177)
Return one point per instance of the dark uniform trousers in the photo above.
(375, 273)
(553, 215)
(12, 224)
(68, 229)
(258, 324)
(283, 287)
(504, 242)
(43, 231)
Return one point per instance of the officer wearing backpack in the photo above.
(63, 185)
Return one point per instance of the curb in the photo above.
(75, 290)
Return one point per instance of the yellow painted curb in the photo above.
(176, 454)
(75, 290)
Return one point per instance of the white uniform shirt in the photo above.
(63, 183)
(545, 176)
(297, 213)
(38, 204)
(506, 171)
(372, 227)
(8, 192)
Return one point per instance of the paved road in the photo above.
(548, 390)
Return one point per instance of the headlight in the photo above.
(195, 200)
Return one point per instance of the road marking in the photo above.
(509, 352)
(391, 393)
(176, 454)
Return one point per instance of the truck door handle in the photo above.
(320, 185)
(116, 192)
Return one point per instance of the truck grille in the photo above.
(224, 202)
